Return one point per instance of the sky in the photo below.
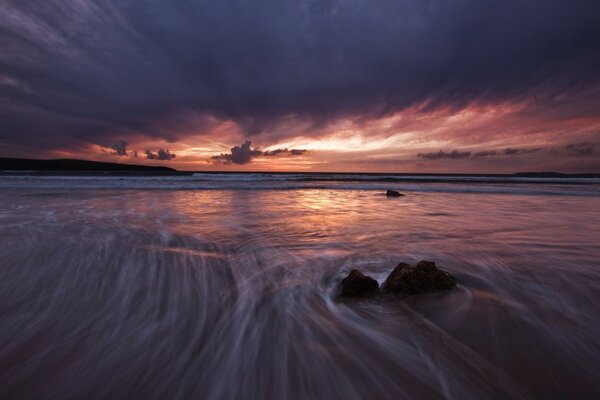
(479, 86)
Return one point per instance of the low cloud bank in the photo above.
(245, 153)
(583, 149)
(120, 148)
(161, 154)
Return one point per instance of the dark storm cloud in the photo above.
(454, 154)
(74, 73)
(161, 154)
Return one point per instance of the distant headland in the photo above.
(73, 165)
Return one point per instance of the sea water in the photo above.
(225, 286)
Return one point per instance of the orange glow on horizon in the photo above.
(390, 143)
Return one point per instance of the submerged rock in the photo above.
(393, 193)
(357, 284)
(424, 276)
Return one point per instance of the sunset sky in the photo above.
(476, 86)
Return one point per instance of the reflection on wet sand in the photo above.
(232, 294)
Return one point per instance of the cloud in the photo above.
(120, 149)
(454, 154)
(485, 153)
(574, 149)
(160, 155)
(244, 154)
(284, 152)
(509, 151)
(581, 149)
(150, 68)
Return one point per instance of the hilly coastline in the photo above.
(73, 165)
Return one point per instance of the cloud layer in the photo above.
(81, 73)
(244, 154)
(120, 148)
(161, 154)
(584, 149)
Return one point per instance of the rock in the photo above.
(424, 276)
(356, 284)
(393, 193)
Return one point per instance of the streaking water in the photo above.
(257, 181)
(116, 291)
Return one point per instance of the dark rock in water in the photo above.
(356, 284)
(424, 276)
(393, 193)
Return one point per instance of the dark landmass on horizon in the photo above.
(22, 165)
(73, 165)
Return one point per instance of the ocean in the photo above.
(226, 286)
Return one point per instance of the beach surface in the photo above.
(225, 286)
